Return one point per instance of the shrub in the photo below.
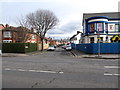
(18, 47)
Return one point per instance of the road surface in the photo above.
(58, 69)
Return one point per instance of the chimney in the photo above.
(32, 29)
(7, 25)
(78, 32)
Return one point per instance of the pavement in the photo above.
(21, 54)
(76, 53)
(80, 54)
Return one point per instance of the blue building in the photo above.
(101, 26)
(101, 33)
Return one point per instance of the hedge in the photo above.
(18, 47)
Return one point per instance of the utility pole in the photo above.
(98, 43)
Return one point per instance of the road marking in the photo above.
(9, 69)
(109, 74)
(46, 71)
(38, 71)
(111, 67)
(21, 70)
(116, 74)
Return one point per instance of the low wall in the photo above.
(45, 46)
(92, 48)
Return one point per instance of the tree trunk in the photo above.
(42, 45)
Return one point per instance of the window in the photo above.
(111, 27)
(99, 27)
(117, 27)
(7, 41)
(7, 34)
(92, 27)
(106, 38)
(92, 40)
(33, 36)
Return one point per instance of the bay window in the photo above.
(116, 27)
(92, 27)
(99, 26)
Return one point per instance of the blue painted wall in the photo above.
(93, 47)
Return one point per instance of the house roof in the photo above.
(111, 15)
(2, 25)
(73, 36)
(9, 28)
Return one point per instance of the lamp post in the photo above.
(98, 43)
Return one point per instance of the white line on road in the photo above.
(41, 71)
(109, 74)
(111, 67)
(46, 71)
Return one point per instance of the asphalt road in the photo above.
(58, 69)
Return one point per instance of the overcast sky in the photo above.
(69, 12)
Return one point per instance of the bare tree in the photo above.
(23, 31)
(42, 21)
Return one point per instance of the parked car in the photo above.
(64, 47)
(68, 48)
(51, 48)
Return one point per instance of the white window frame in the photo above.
(116, 27)
(33, 36)
(99, 28)
(7, 34)
(7, 41)
(109, 27)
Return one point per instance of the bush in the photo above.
(18, 47)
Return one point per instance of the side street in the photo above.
(34, 57)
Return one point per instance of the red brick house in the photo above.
(1, 28)
(19, 35)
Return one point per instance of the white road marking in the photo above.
(7, 69)
(116, 74)
(21, 70)
(46, 71)
(60, 72)
(40, 71)
(109, 74)
(32, 70)
(111, 67)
